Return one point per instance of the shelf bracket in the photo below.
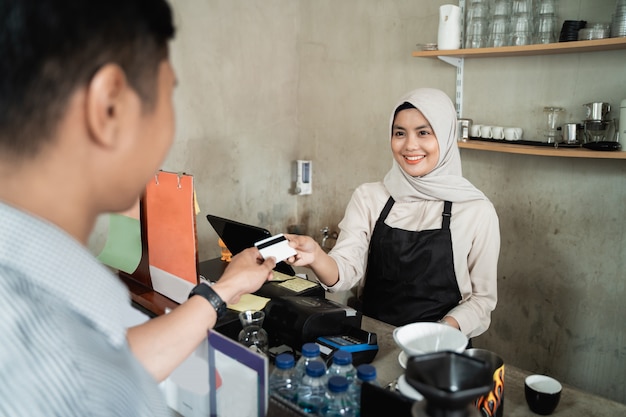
(454, 61)
(458, 63)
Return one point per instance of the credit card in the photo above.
(276, 246)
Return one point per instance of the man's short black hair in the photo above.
(50, 48)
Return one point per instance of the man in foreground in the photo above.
(86, 119)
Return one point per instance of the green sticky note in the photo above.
(122, 249)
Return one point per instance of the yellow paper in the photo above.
(280, 277)
(298, 284)
(249, 302)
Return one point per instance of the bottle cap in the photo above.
(310, 350)
(338, 383)
(284, 361)
(342, 357)
(315, 369)
(366, 372)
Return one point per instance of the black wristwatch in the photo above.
(205, 290)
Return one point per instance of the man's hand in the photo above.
(245, 274)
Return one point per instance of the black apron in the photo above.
(410, 275)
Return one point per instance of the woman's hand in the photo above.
(306, 247)
(311, 254)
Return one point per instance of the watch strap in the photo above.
(205, 291)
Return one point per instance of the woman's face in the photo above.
(413, 143)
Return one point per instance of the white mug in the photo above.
(497, 132)
(475, 131)
(512, 133)
(485, 132)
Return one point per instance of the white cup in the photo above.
(475, 131)
(513, 133)
(485, 132)
(497, 132)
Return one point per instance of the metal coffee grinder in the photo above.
(597, 126)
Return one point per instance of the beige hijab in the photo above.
(445, 182)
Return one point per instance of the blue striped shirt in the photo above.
(63, 349)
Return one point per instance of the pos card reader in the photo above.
(295, 320)
(363, 345)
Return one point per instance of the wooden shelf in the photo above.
(541, 150)
(609, 44)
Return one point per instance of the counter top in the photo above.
(574, 402)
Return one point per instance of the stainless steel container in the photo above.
(463, 129)
(573, 133)
(597, 110)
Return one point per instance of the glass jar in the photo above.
(253, 335)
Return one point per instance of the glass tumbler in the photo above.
(546, 29)
(521, 29)
(546, 7)
(522, 7)
(502, 8)
(499, 31)
(476, 35)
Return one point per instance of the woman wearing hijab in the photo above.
(423, 244)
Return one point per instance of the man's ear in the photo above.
(105, 102)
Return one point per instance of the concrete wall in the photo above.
(266, 82)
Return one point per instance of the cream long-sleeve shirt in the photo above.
(475, 243)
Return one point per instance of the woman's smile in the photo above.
(413, 159)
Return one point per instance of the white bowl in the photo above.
(420, 338)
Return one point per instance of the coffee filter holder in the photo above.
(449, 382)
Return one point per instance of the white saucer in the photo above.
(407, 390)
(402, 358)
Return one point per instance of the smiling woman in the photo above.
(413, 143)
(423, 244)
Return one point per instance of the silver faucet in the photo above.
(327, 234)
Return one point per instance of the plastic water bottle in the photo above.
(338, 402)
(365, 374)
(310, 353)
(342, 365)
(282, 381)
(312, 390)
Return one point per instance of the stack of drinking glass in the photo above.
(521, 23)
(618, 24)
(546, 21)
(499, 26)
(477, 24)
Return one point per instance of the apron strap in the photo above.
(387, 209)
(447, 213)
